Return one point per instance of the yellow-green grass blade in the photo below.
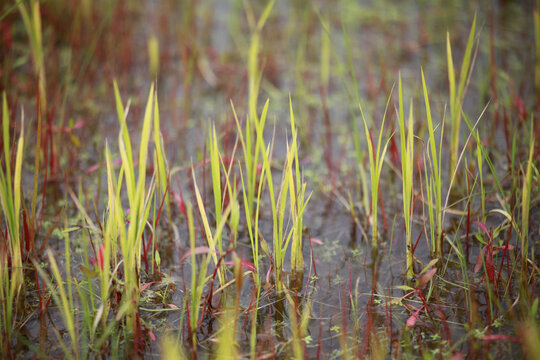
(407, 175)
(265, 14)
(5, 134)
(170, 350)
(206, 224)
(67, 311)
(161, 158)
(537, 49)
(211, 239)
(153, 56)
(17, 180)
(216, 179)
(143, 148)
(435, 184)
(373, 172)
(122, 119)
(376, 160)
(432, 143)
(17, 280)
(111, 226)
(466, 65)
(61, 302)
(451, 76)
(253, 69)
(194, 295)
(457, 99)
(525, 201)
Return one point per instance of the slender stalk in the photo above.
(11, 262)
(298, 202)
(376, 161)
(456, 99)
(216, 180)
(434, 180)
(407, 168)
(62, 296)
(536, 16)
(525, 205)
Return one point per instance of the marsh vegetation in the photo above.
(269, 179)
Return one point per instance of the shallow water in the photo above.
(349, 290)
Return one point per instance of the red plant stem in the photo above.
(90, 237)
(417, 240)
(445, 326)
(40, 294)
(204, 176)
(328, 152)
(313, 258)
(211, 291)
(250, 308)
(319, 340)
(145, 253)
(493, 66)
(507, 138)
(508, 237)
(505, 252)
(309, 275)
(188, 311)
(50, 142)
(350, 280)
(490, 253)
(26, 233)
(182, 209)
(329, 274)
(468, 220)
(50, 298)
(424, 301)
(499, 337)
(151, 239)
(344, 309)
(383, 213)
(369, 328)
(44, 189)
(388, 315)
(137, 333)
(157, 221)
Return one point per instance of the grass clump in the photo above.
(433, 178)
(376, 161)
(407, 174)
(12, 289)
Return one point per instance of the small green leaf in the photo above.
(429, 265)
(404, 288)
(157, 258)
(88, 272)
